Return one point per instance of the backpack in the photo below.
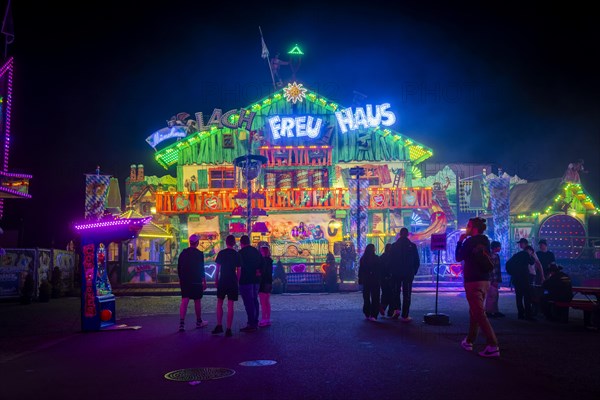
(510, 264)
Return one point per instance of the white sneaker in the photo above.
(490, 351)
(466, 345)
(372, 319)
(201, 324)
(407, 319)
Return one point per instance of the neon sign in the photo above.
(299, 126)
(166, 133)
(365, 119)
(233, 119)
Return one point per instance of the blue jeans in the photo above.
(401, 284)
(249, 295)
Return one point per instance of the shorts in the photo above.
(265, 288)
(232, 293)
(193, 291)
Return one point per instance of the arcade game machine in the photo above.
(97, 299)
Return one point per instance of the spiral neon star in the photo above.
(294, 92)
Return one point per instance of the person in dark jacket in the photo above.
(491, 301)
(266, 285)
(368, 276)
(227, 276)
(518, 268)
(557, 287)
(252, 266)
(473, 248)
(385, 281)
(404, 264)
(192, 281)
(545, 256)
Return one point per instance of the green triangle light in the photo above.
(296, 51)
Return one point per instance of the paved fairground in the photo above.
(320, 345)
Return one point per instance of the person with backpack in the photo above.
(473, 248)
(518, 267)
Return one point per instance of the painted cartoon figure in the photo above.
(317, 232)
(193, 184)
(572, 172)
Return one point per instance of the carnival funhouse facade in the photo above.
(302, 202)
(302, 198)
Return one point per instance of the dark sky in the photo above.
(514, 87)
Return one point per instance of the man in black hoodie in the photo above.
(518, 269)
(403, 263)
(251, 271)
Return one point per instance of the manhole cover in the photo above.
(198, 374)
(258, 363)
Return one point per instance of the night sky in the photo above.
(514, 87)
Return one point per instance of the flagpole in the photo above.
(268, 60)
(7, 31)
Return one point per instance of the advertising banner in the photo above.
(15, 264)
(96, 189)
(66, 261)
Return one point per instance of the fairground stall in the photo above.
(303, 199)
(152, 256)
(98, 231)
(147, 258)
(559, 211)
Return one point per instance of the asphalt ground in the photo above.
(322, 346)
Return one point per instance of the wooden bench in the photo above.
(577, 304)
(588, 307)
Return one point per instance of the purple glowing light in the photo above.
(15, 175)
(6, 72)
(15, 192)
(135, 222)
(7, 68)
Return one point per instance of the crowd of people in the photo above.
(537, 280)
(246, 273)
(534, 276)
(386, 280)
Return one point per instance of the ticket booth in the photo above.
(97, 300)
